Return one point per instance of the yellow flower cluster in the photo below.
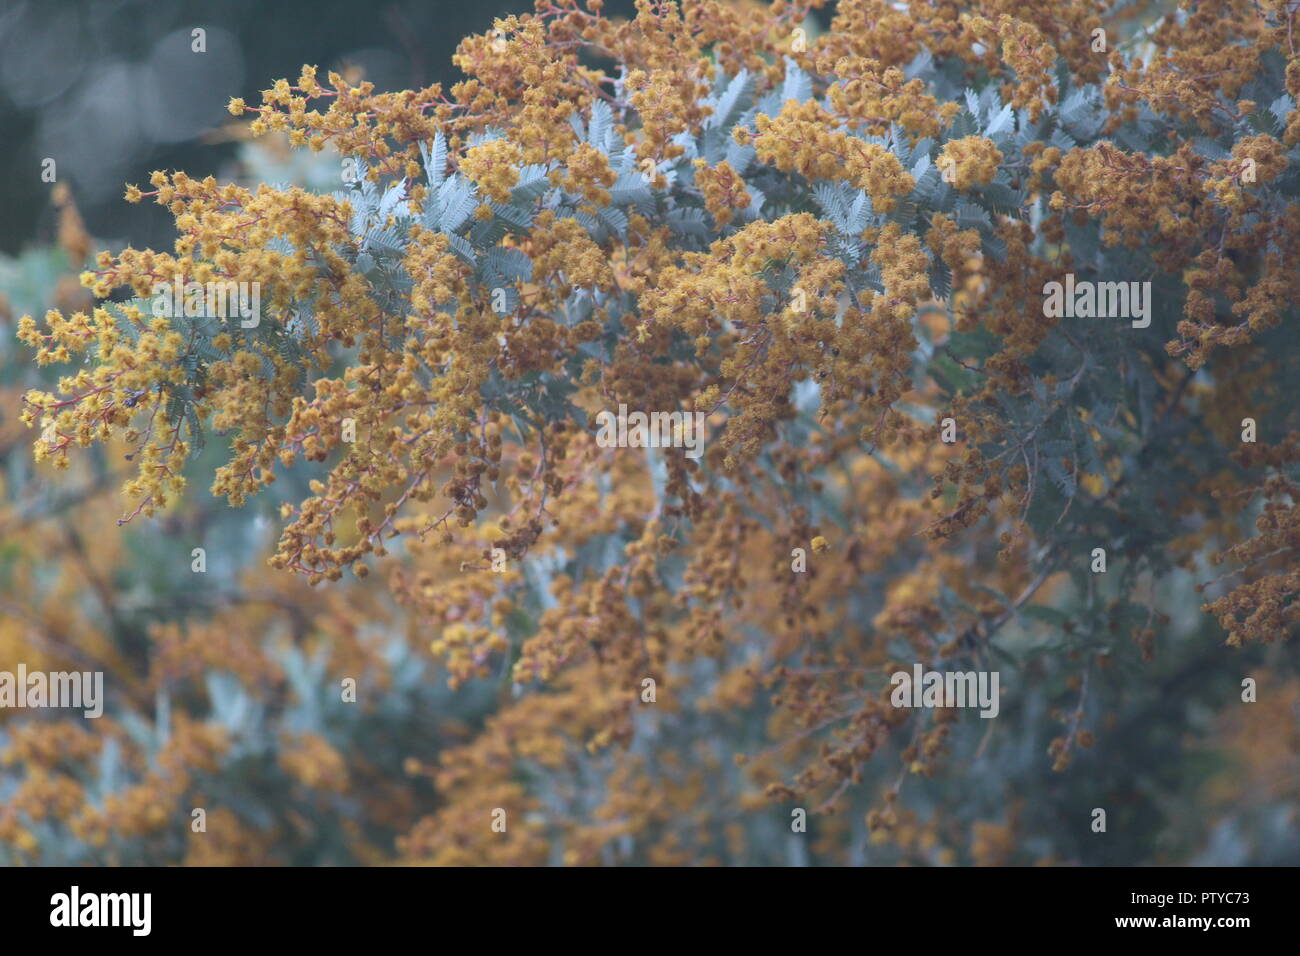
(803, 138)
(565, 255)
(969, 161)
(311, 761)
(1199, 60)
(870, 98)
(723, 190)
(589, 174)
(494, 167)
(1181, 199)
(1027, 52)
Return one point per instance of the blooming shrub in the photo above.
(837, 248)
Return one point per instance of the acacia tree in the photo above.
(988, 314)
